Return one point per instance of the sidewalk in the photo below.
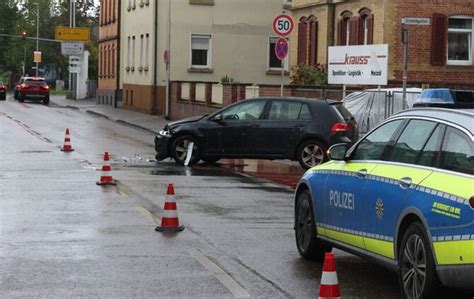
(150, 123)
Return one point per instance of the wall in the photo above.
(108, 45)
(420, 69)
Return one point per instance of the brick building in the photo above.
(440, 54)
(108, 91)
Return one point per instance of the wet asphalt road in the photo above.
(63, 236)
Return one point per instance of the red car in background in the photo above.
(3, 91)
(32, 88)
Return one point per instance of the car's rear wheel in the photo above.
(21, 98)
(312, 153)
(3, 97)
(46, 101)
(309, 246)
(416, 267)
(179, 149)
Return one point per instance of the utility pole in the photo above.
(37, 36)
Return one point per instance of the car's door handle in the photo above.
(405, 182)
(362, 173)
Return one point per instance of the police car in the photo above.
(401, 196)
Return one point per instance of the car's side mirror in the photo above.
(218, 118)
(338, 152)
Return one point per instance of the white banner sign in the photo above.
(70, 48)
(364, 65)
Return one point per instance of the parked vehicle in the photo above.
(447, 98)
(3, 91)
(402, 196)
(261, 128)
(32, 88)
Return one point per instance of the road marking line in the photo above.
(233, 286)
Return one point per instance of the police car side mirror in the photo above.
(338, 152)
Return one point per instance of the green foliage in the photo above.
(227, 80)
(309, 75)
(15, 17)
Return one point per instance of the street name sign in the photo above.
(72, 48)
(283, 25)
(73, 34)
(359, 65)
(416, 21)
(281, 48)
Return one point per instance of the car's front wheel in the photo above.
(416, 267)
(179, 149)
(311, 153)
(46, 101)
(307, 242)
(3, 97)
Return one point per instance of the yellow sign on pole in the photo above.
(73, 34)
(37, 57)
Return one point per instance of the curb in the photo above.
(98, 114)
(120, 121)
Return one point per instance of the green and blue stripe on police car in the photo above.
(382, 245)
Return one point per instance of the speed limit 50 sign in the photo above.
(283, 25)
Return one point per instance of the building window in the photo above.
(141, 52)
(460, 37)
(200, 51)
(273, 62)
(133, 53)
(128, 51)
(147, 45)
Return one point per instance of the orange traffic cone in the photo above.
(67, 147)
(106, 177)
(329, 286)
(170, 221)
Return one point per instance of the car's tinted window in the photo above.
(35, 82)
(342, 111)
(373, 146)
(457, 153)
(429, 154)
(411, 141)
(305, 113)
(289, 110)
(244, 111)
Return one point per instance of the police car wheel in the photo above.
(179, 149)
(307, 243)
(311, 153)
(417, 272)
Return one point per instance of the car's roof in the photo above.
(306, 100)
(461, 117)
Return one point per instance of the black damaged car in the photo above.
(262, 128)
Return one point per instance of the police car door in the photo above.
(345, 210)
(391, 182)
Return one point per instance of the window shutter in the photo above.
(302, 42)
(370, 30)
(339, 34)
(354, 31)
(439, 39)
(313, 49)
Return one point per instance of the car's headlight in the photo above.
(165, 133)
